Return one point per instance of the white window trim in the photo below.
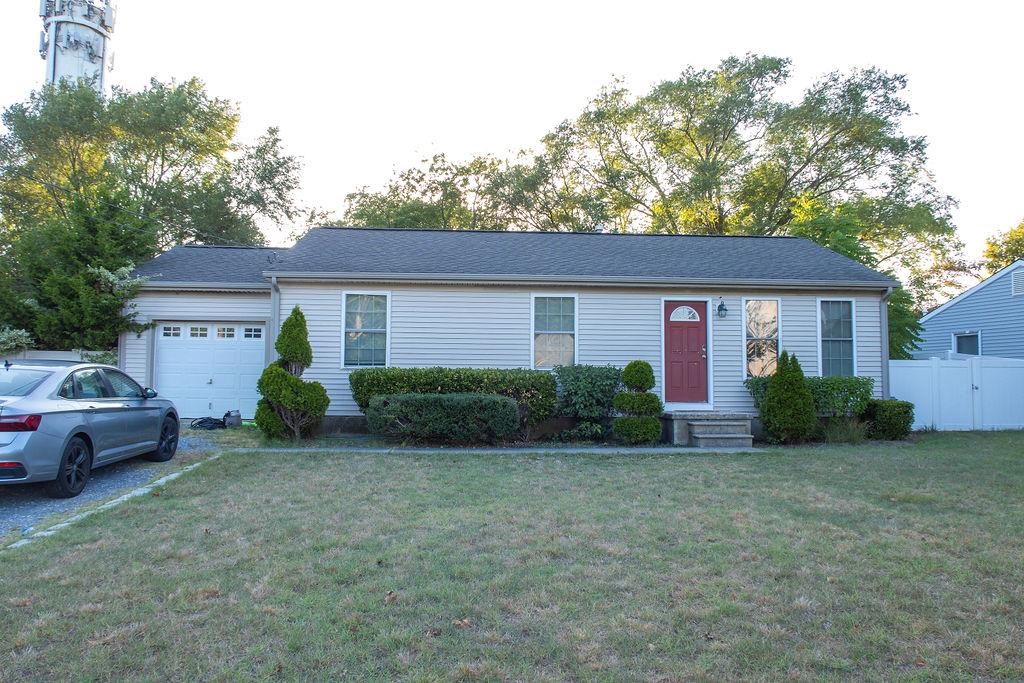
(743, 328)
(387, 332)
(853, 320)
(709, 315)
(576, 324)
(964, 333)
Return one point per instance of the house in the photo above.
(986, 320)
(704, 311)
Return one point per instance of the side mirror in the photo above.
(148, 393)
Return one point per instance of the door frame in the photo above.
(709, 330)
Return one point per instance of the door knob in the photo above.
(209, 381)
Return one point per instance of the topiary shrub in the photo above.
(638, 376)
(444, 418)
(889, 419)
(787, 410)
(533, 390)
(641, 423)
(641, 405)
(290, 405)
(587, 391)
(637, 430)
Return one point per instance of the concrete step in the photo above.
(720, 426)
(721, 440)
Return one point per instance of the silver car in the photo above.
(59, 420)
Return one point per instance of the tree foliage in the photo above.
(1003, 249)
(90, 186)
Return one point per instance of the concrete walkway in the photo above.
(568, 450)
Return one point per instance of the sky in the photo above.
(362, 89)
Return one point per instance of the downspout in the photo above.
(275, 319)
(884, 317)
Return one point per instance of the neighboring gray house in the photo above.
(705, 312)
(986, 320)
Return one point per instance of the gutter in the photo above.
(206, 286)
(602, 281)
(883, 311)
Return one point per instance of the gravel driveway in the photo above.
(23, 507)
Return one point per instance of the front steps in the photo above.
(709, 429)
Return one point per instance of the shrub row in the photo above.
(833, 396)
(532, 390)
(587, 391)
(889, 419)
(446, 418)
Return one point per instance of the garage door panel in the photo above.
(212, 374)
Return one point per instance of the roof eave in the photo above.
(594, 280)
(206, 286)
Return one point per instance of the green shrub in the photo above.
(787, 410)
(299, 406)
(638, 375)
(587, 391)
(532, 390)
(584, 431)
(640, 405)
(637, 430)
(889, 419)
(268, 422)
(832, 395)
(292, 343)
(444, 418)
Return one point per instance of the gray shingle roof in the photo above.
(378, 253)
(439, 254)
(225, 266)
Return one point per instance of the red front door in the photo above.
(686, 352)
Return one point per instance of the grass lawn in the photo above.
(879, 561)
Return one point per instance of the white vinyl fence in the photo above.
(961, 394)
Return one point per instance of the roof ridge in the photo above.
(547, 232)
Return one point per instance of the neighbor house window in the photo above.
(967, 343)
(837, 347)
(366, 329)
(554, 331)
(762, 336)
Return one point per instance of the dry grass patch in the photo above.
(881, 561)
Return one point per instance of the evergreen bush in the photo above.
(587, 391)
(641, 423)
(889, 419)
(289, 404)
(788, 410)
(444, 418)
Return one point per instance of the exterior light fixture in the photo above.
(723, 311)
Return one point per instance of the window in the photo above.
(684, 314)
(89, 384)
(967, 343)
(198, 332)
(554, 331)
(253, 333)
(366, 333)
(837, 348)
(172, 331)
(225, 333)
(762, 336)
(123, 385)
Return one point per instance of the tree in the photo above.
(1003, 249)
(90, 186)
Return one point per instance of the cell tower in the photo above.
(75, 41)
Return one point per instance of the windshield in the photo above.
(20, 381)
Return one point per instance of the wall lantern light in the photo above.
(722, 309)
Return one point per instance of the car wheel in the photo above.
(75, 468)
(168, 444)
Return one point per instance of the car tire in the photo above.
(167, 446)
(74, 471)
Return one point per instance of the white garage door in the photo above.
(210, 368)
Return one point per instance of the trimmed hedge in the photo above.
(640, 405)
(889, 419)
(638, 376)
(833, 396)
(444, 418)
(587, 391)
(533, 390)
(637, 430)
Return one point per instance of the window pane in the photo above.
(836, 320)
(550, 350)
(554, 314)
(762, 319)
(89, 384)
(366, 321)
(836, 358)
(762, 357)
(123, 386)
(968, 344)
